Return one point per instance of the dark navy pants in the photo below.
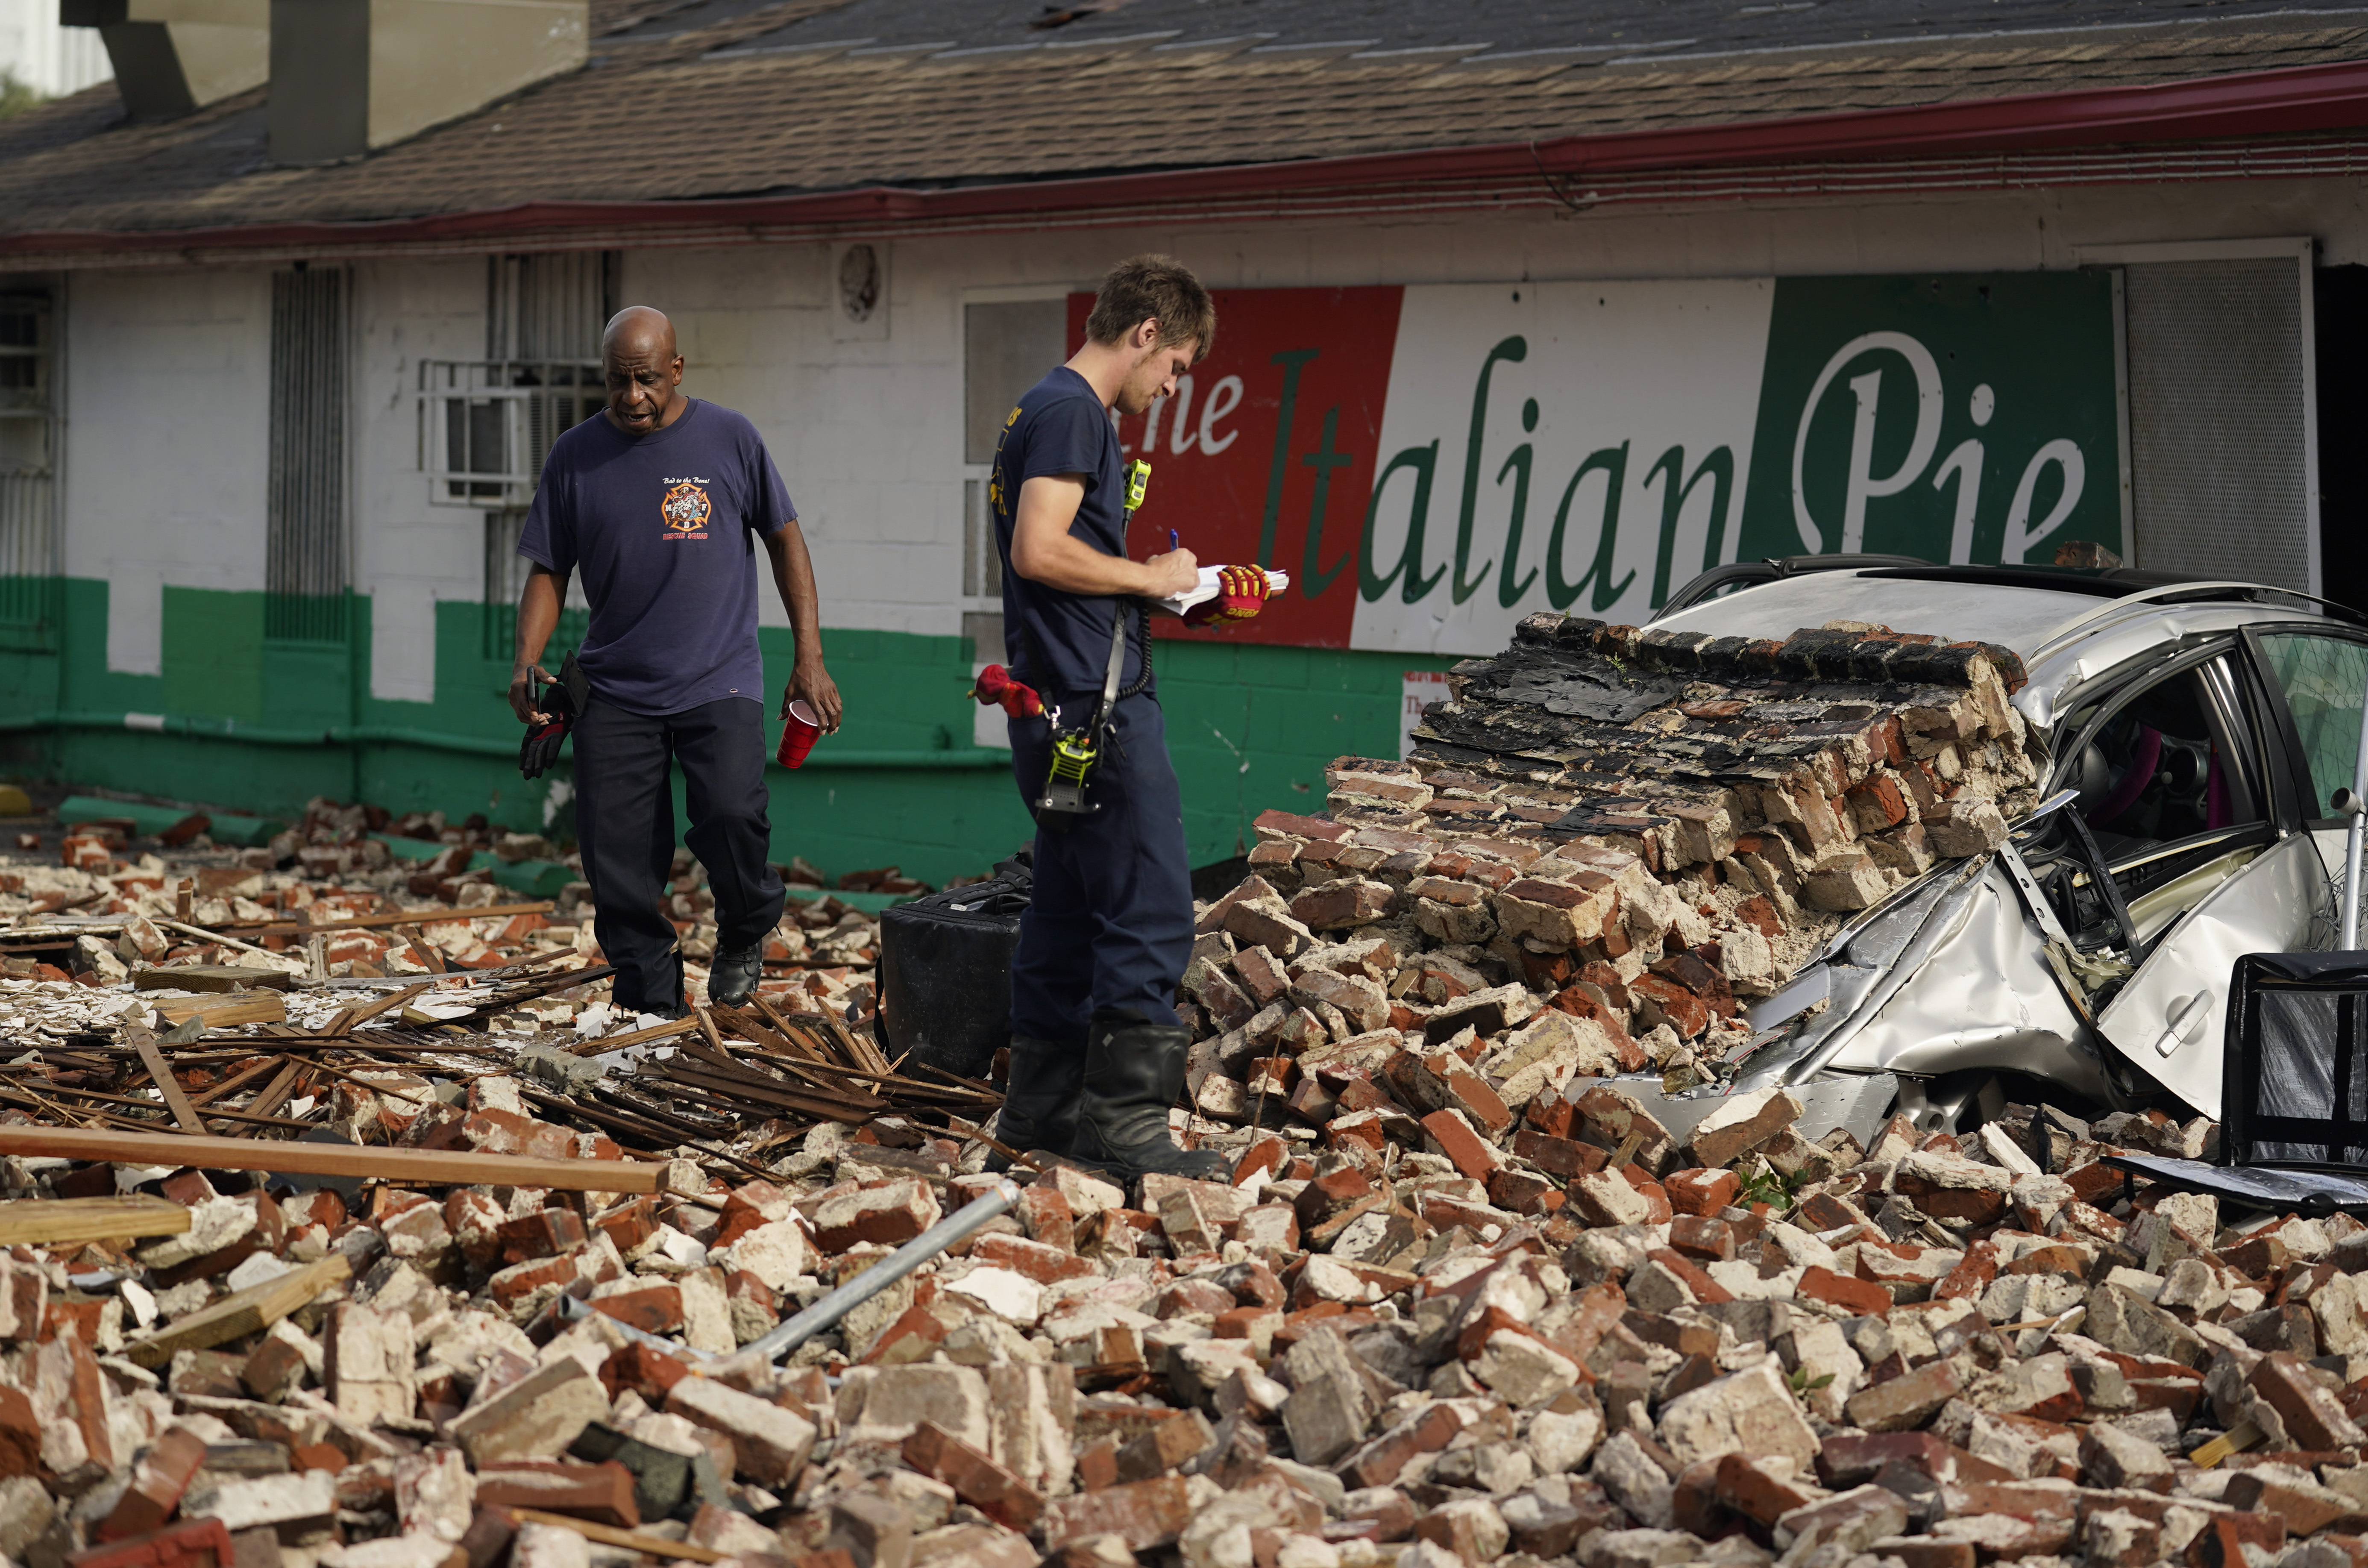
(1109, 925)
(624, 827)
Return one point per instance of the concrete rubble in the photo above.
(1462, 1302)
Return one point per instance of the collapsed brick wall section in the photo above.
(1607, 842)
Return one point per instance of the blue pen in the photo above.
(1171, 539)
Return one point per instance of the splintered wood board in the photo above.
(445, 1167)
(631, 1540)
(221, 1011)
(221, 977)
(251, 1311)
(69, 1221)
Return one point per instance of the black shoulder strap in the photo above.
(1117, 670)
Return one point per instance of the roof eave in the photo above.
(2247, 103)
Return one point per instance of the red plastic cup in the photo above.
(799, 730)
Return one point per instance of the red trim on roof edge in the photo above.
(2299, 99)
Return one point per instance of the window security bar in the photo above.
(486, 426)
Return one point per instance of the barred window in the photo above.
(544, 316)
(29, 525)
(304, 574)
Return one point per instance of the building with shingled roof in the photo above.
(1521, 307)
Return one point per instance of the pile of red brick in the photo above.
(1727, 1349)
(335, 865)
(1604, 846)
(1461, 1303)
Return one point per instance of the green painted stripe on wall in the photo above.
(1249, 727)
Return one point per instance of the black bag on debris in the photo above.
(2294, 1083)
(2293, 1125)
(945, 972)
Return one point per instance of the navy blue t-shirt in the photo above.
(1059, 642)
(661, 526)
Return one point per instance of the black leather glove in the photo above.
(561, 705)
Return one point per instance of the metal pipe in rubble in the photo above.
(2352, 804)
(827, 1312)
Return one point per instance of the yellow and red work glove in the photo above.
(1242, 592)
(995, 688)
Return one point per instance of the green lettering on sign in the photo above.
(1719, 469)
(1612, 462)
(1293, 362)
(1418, 461)
(1515, 349)
(1968, 418)
(1313, 578)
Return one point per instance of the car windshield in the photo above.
(2019, 618)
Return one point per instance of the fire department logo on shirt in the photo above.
(686, 510)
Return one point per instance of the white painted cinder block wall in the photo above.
(408, 553)
(167, 441)
(168, 382)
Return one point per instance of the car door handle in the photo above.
(2188, 1015)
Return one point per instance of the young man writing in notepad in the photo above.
(1097, 1053)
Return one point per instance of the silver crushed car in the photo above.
(2193, 735)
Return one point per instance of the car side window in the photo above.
(2160, 768)
(2171, 801)
(2325, 680)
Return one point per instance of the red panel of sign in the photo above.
(1266, 451)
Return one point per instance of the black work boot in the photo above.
(1039, 1106)
(1133, 1072)
(732, 979)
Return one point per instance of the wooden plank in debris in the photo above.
(212, 977)
(860, 1051)
(656, 1032)
(251, 1311)
(279, 1091)
(236, 1080)
(68, 1222)
(216, 1112)
(850, 1110)
(444, 1167)
(796, 1036)
(350, 1019)
(631, 1540)
(160, 1072)
(222, 1011)
(202, 935)
(392, 917)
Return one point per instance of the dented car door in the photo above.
(2251, 882)
(2167, 1019)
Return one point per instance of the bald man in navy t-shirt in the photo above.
(659, 501)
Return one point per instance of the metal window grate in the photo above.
(486, 426)
(29, 522)
(541, 374)
(549, 307)
(2216, 419)
(304, 567)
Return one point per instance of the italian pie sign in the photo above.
(1432, 463)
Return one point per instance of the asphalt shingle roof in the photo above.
(740, 97)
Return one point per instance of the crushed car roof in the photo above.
(1967, 604)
